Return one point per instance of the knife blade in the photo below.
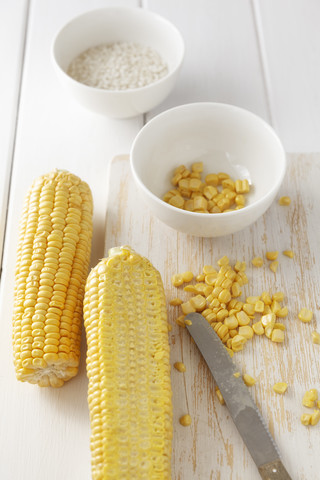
(239, 402)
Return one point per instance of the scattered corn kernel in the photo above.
(284, 201)
(220, 397)
(223, 261)
(277, 335)
(305, 315)
(187, 276)
(187, 307)
(180, 321)
(259, 306)
(288, 253)
(258, 328)
(176, 301)
(197, 167)
(257, 262)
(278, 296)
(306, 418)
(185, 420)
(198, 302)
(274, 266)
(283, 312)
(280, 387)
(238, 342)
(188, 322)
(249, 309)
(246, 332)
(266, 298)
(237, 374)
(243, 318)
(316, 338)
(180, 366)
(248, 380)
(242, 186)
(315, 417)
(177, 280)
(310, 397)
(272, 255)
(231, 322)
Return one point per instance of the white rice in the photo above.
(118, 66)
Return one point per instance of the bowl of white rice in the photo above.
(118, 61)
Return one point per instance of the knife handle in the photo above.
(274, 471)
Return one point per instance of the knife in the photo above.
(241, 406)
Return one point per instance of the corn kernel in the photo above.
(185, 420)
(223, 261)
(198, 302)
(187, 307)
(199, 203)
(248, 380)
(231, 353)
(180, 366)
(283, 312)
(259, 306)
(195, 184)
(222, 314)
(257, 262)
(248, 308)
(305, 315)
(224, 296)
(316, 338)
(275, 307)
(176, 301)
(212, 179)
(231, 322)
(277, 335)
(243, 318)
(288, 253)
(175, 179)
(252, 300)
(180, 321)
(187, 276)
(280, 387)
(210, 279)
(258, 328)
(246, 332)
(280, 326)
(222, 176)
(278, 296)
(284, 201)
(220, 397)
(242, 186)
(315, 417)
(238, 342)
(237, 374)
(176, 201)
(235, 289)
(190, 288)
(188, 322)
(274, 266)
(232, 333)
(266, 298)
(268, 320)
(309, 398)
(305, 418)
(240, 266)
(177, 280)
(272, 255)
(197, 167)
(210, 192)
(189, 205)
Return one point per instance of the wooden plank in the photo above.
(222, 61)
(45, 433)
(211, 447)
(13, 17)
(291, 42)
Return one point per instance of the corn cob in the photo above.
(52, 264)
(128, 367)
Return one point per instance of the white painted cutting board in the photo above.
(212, 448)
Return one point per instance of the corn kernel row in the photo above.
(216, 294)
(216, 194)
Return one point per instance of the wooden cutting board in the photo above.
(211, 447)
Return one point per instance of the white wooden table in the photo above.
(260, 55)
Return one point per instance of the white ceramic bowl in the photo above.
(118, 24)
(227, 139)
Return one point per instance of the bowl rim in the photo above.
(127, 91)
(187, 213)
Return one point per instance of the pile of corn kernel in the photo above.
(216, 194)
(216, 297)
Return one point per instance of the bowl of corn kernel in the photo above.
(208, 169)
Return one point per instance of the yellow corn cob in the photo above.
(128, 367)
(52, 265)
